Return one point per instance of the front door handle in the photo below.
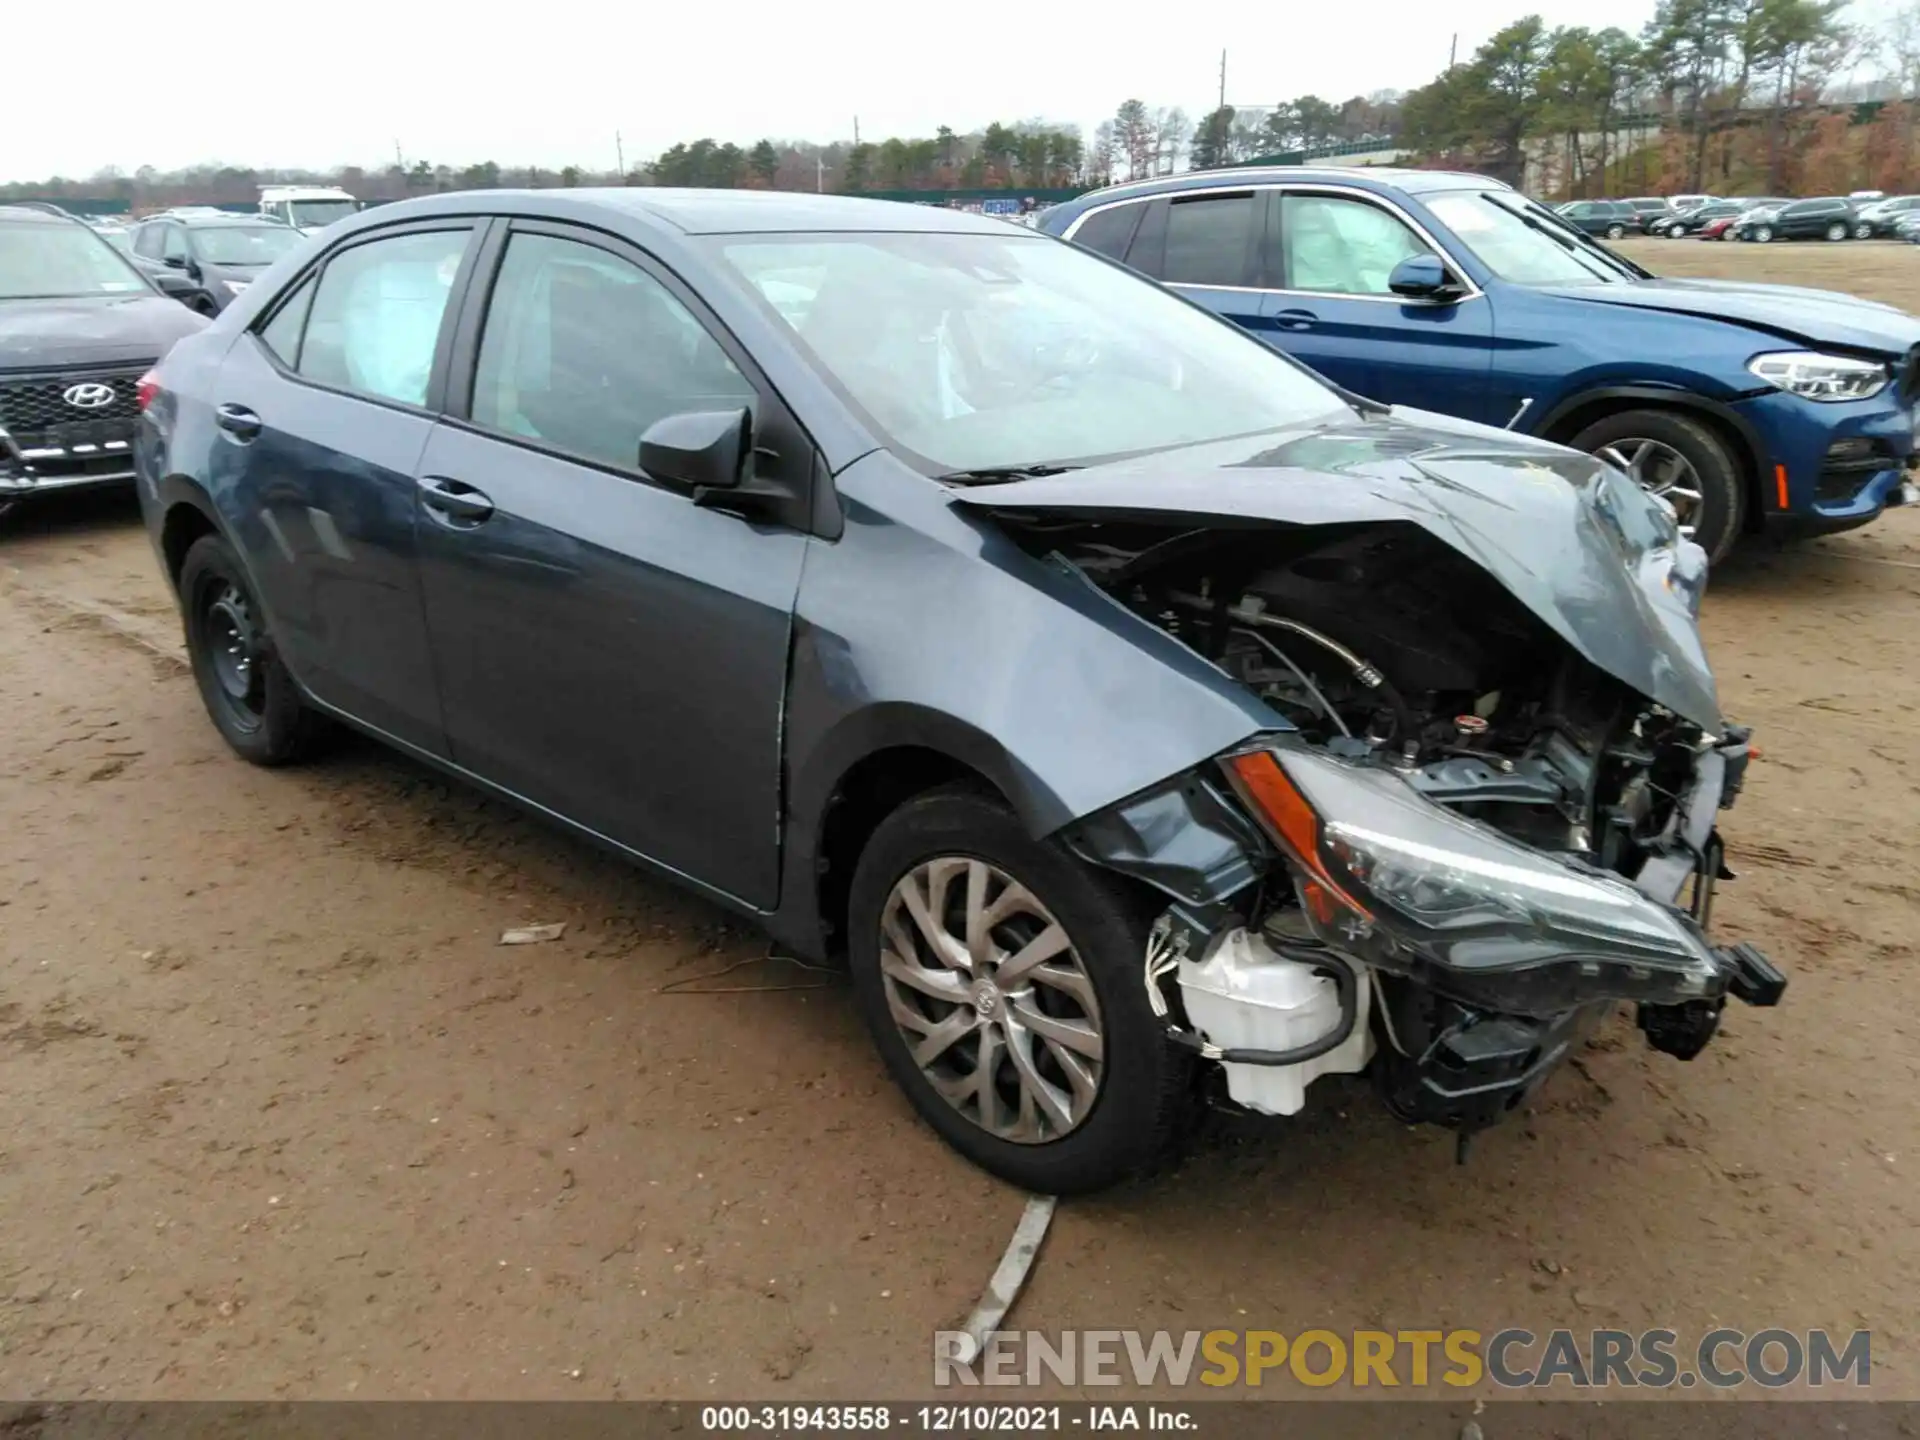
(1295, 319)
(237, 421)
(454, 501)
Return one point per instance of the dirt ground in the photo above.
(283, 1119)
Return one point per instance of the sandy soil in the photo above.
(284, 1119)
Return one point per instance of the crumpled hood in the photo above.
(138, 327)
(1573, 540)
(1813, 317)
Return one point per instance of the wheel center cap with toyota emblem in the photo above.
(90, 395)
(986, 1000)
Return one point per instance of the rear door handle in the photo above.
(1295, 319)
(454, 501)
(237, 421)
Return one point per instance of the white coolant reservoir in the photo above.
(1247, 996)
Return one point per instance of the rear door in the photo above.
(324, 408)
(1206, 246)
(607, 648)
(1329, 254)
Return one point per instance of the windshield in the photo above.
(244, 244)
(977, 352)
(1524, 243)
(47, 261)
(321, 212)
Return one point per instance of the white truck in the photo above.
(307, 208)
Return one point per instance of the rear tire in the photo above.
(251, 699)
(1616, 232)
(1721, 507)
(1086, 1134)
(1836, 231)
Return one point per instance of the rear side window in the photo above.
(281, 334)
(375, 319)
(1110, 231)
(1207, 240)
(583, 350)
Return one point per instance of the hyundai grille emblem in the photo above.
(90, 396)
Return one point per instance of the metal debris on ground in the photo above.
(1009, 1276)
(698, 984)
(532, 934)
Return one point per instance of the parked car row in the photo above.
(1758, 218)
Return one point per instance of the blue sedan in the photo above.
(1745, 407)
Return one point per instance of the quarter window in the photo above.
(1109, 231)
(583, 351)
(1207, 240)
(376, 317)
(1342, 247)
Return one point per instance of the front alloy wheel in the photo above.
(1000, 978)
(1683, 461)
(992, 999)
(1863, 231)
(1763, 234)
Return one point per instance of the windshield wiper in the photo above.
(1002, 474)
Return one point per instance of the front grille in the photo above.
(33, 409)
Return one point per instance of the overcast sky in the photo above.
(548, 82)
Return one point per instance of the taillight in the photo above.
(146, 387)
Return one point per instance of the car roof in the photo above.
(705, 212)
(29, 214)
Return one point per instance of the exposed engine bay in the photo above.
(1448, 963)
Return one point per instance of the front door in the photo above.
(324, 410)
(1332, 308)
(607, 649)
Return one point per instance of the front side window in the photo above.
(1207, 240)
(583, 350)
(44, 260)
(173, 243)
(147, 241)
(1522, 243)
(1342, 247)
(376, 317)
(974, 351)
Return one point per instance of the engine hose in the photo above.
(1345, 988)
(1366, 674)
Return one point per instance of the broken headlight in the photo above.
(1396, 881)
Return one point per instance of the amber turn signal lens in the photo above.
(1265, 786)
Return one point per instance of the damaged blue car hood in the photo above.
(1575, 541)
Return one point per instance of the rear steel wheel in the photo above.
(232, 641)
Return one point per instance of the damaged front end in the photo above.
(1484, 817)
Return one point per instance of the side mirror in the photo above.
(174, 262)
(1422, 277)
(700, 449)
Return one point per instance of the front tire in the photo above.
(251, 699)
(1001, 980)
(1863, 232)
(1682, 461)
(1763, 235)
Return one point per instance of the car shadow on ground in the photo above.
(79, 515)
